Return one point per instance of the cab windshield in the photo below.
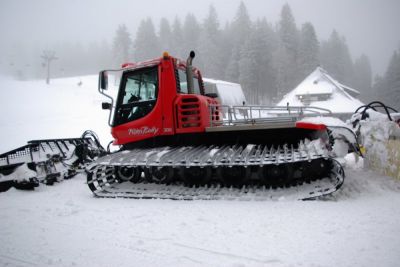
(138, 95)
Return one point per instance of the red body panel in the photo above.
(173, 112)
(310, 125)
(193, 113)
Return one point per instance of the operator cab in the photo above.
(140, 86)
(160, 97)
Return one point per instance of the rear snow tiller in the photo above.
(176, 144)
(47, 161)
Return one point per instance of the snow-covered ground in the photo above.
(64, 225)
(32, 110)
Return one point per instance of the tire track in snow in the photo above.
(230, 255)
(18, 260)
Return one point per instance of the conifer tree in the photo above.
(165, 36)
(241, 25)
(267, 47)
(122, 44)
(238, 32)
(287, 53)
(248, 69)
(191, 33)
(209, 46)
(146, 44)
(336, 59)
(177, 40)
(288, 31)
(232, 68)
(363, 78)
(257, 73)
(390, 91)
(308, 57)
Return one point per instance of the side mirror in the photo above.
(103, 80)
(106, 105)
(212, 95)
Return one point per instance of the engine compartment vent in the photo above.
(188, 112)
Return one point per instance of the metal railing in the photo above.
(237, 115)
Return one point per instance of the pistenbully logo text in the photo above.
(143, 130)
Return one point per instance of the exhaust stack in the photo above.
(189, 73)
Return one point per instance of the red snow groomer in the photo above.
(178, 142)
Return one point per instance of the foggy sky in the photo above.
(370, 26)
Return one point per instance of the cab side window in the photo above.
(183, 83)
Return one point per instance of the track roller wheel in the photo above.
(296, 173)
(234, 176)
(274, 175)
(159, 175)
(128, 174)
(196, 176)
(316, 169)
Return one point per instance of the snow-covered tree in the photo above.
(226, 51)
(191, 33)
(248, 73)
(146, 44)
(256, 65)
(104, 56)
(389, 90)
(232, 67)
(177, 40)
(122, 44)
(209, 46)
(362, 78)
(237, 34)
(288, 51)
(308, 55)
(267, 75)
(288, 31)
(165, 36)
(241, 25)
(378, 87)
(336, 59)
